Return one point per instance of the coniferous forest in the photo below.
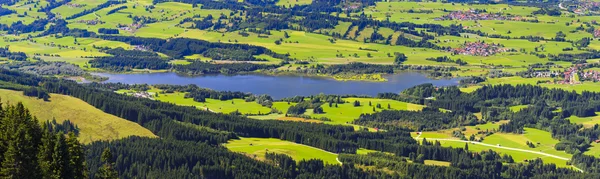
(197, 153)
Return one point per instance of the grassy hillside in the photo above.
(257, 147)
(93, 124)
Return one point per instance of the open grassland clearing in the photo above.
(77, 7)
(94, 125)
(32, 48)
(215, 105)
(468, 131)
(257, 147)
(469, 89)
(291, 3)
(517, 156)
(586, 121)
(26, 13)
(594, 150)
(347, 112)
(518, 108)
(542, 140)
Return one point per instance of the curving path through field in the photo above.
(500, 147)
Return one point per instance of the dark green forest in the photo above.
(197, 153)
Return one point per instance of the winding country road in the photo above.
(500, 147)
(496, 146)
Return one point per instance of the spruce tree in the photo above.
(76, 157)
(20, 133)
(107, 171)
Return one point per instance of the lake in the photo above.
(283, 86)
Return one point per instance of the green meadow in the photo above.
(542, 140)
(518, 108)
(257, 147)
(586, 121)
(226, 106)
(516, 155)
(94, 125)
(346, 113)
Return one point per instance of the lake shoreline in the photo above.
(283, 86)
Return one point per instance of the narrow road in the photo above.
(501, 147)
(496, 146)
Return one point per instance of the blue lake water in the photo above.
(283, 86)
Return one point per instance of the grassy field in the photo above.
(542, 139)
(516, 155)
(226, 106)
(346, 113)
(586, 121)
(291, 3)
(547, 27)
(94, 124)
(518, 108)
(257, 147)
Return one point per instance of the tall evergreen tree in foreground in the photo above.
(28, 150)
(107, 171)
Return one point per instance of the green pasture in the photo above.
(316, 47)
(180, 62)
(66, 11)
(542, 140)
(291, 3)
(469, 89)
(257, 147)
(26, 13)
(516, 155)
(94, 124)
(346, 113)
(227, 106)
(594, 150)
(518, 108)
(436, 163)
(586, 121)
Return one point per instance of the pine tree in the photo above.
(21, 134)
(107, 170)
(76, 157)
(60, 158)
(45, 152)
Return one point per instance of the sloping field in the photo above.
(94, 125)
(257, 147)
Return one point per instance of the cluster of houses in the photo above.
(571, 76)
(142, 94)
(90, 22)
(474, 15)
(131, 27)
(74, 5)
(544, 74)
(597, 33)
(141, 48)
(478, 49)
(585, 6)
(576, 74)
